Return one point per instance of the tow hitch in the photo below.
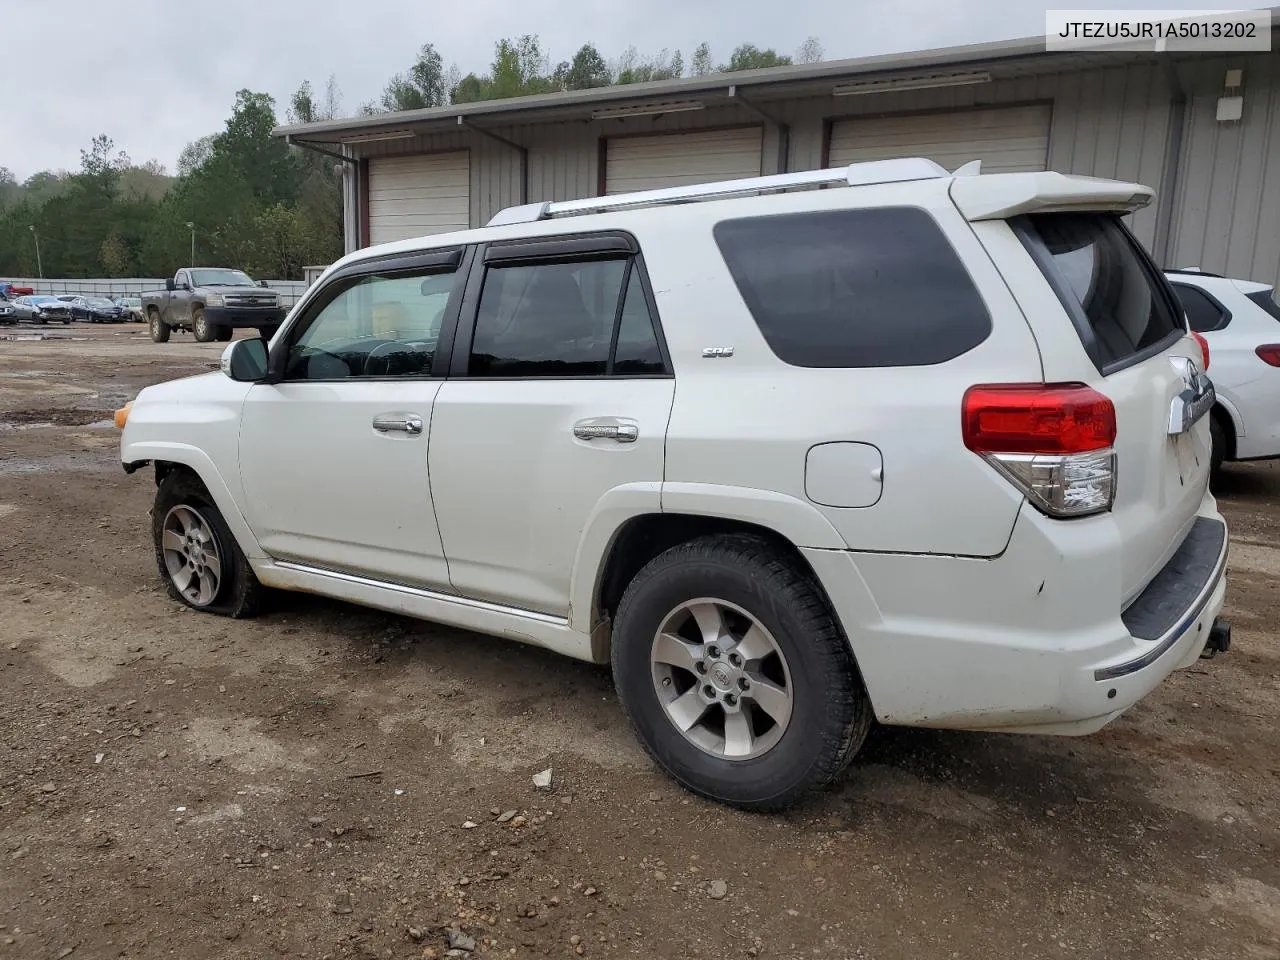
(1219, 639)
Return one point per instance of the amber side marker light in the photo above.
(122, 415)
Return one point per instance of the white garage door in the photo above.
(678, 159)
(1005, 139)
(418, 196)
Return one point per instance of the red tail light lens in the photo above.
(1030, 418)
(1204, 348)
(1269, 353)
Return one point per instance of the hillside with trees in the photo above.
(255, 202)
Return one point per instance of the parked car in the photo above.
(7, 313)
(44, 309)
(211, 303)
(96, 310)
(24, 309)
(1240, 322)
(131, 308)
(886, 486)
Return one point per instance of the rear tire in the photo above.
(201, 329)
(222, 333)
(159, 329)
(197, 555)
(769, 651)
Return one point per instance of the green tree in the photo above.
(587, 69)
(750, 57)
(701, 65)
(520, 68)
(248, 149)
(635, 69)
(195, 154)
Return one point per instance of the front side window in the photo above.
(1103, 279)
(583, 318)
(383, 325)
(879, 287)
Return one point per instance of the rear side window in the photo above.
(855, 288)
(1108, 285)
(1203, 314)
(1266, 300)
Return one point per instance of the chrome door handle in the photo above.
(607, 428)
(409, 425)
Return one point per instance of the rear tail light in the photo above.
(1051, 441)
(1204, 348)
(1269, 353)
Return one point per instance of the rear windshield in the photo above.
(1266, 300)
(878, 287)
(1118, 301)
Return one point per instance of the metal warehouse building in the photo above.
(1202, 129)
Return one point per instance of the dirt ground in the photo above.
(331, 782)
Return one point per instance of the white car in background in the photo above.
(1240, 321)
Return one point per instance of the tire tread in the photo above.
(849, 715)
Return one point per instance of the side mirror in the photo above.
(170, 285)
(245, 360)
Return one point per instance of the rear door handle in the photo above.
(391, 424)
(607, 428)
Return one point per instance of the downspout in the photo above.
(522, 150)
(784, 129)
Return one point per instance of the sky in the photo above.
(156, 74)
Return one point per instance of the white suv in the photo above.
(918, 447)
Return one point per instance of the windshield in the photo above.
(100, 302)
(226, 278)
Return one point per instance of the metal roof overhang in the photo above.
(1002, 59)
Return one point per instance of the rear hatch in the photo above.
(1136, 350)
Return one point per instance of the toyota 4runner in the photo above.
(913, 446)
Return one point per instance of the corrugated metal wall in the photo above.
(1227, 201)
(1108, 121)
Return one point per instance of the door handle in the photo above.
(607, 428)
(409, 425)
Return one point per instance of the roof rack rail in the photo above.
(1195, 271)
(856, 174)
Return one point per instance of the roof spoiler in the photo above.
(1015, 194)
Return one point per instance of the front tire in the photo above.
(197, 555)
(735, 675)
(201, 329)
(159, 329)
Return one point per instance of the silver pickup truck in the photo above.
(211, 302)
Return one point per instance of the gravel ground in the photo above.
(327, 781)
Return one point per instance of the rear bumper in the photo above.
(1023, 642)
(257, 317)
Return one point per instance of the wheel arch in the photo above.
(606, 564)
(170, 457)
(1229, 419)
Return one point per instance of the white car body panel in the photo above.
(514, 488)
(964, 605)
(367, 503)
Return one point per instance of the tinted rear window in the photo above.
(1266, 300)
(854, 288)
(1106, 282)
